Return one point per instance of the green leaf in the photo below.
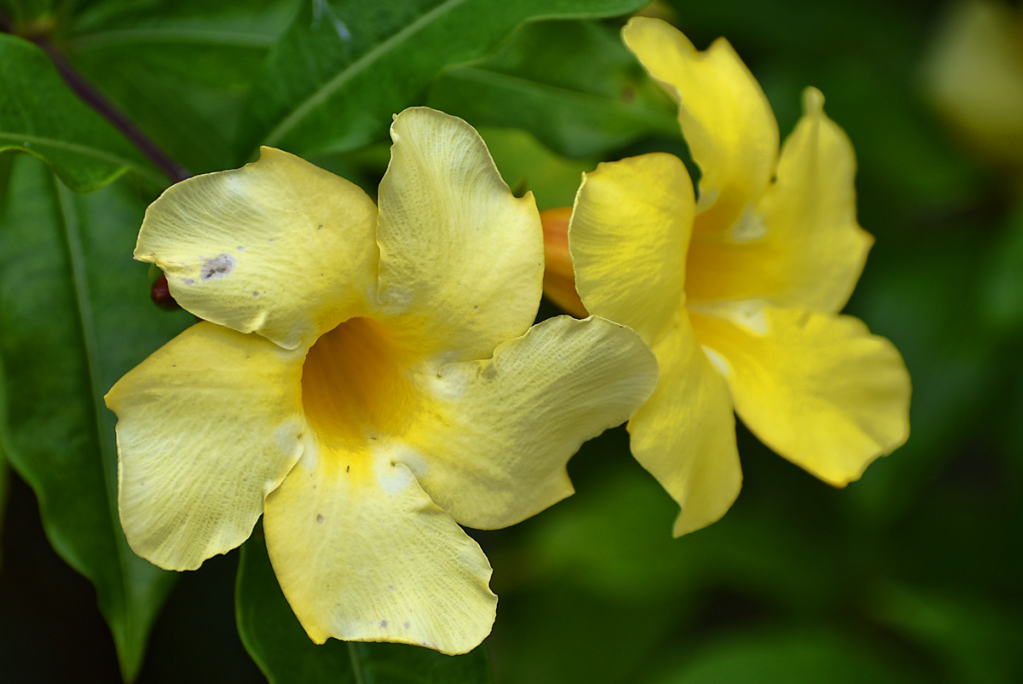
(573, 85)
(1001, 295)
(934, 324)
(179, 70)
(524, 162)
(976, 640)
(22, 12)
(74, 316)
(41, 116)
(342, 69)
(785, 655)
(279, 645)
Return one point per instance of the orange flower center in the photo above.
(355, 385)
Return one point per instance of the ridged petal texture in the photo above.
(454, 241)
(368, 381)
(727, 122)
(207, 427)
(738, 296)
(820, 390)
(363, 554)
(279, 247)
(547, 392)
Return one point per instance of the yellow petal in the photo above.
(628, 238)
(362, 554)
(974, 74)
(207, 426)
(799, 246)
(727, 122)
(278, 247)
(501, 431)
(819, 390)
(685, 434)
(558, 276)
(461, 258)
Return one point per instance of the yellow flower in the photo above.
(738, 294)
(974, 76)
(366, 378)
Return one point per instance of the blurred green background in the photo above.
(910, 575)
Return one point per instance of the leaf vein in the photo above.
(355, 68)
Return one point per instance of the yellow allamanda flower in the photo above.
(367, 379)
(974, 76)
(737, 294)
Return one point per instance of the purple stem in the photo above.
(92, 97)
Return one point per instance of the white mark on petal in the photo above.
(706, 199)
(218, 267)
(383, 624)
(393, 477)
(718, 361)
(412, 460)
(287, 435)
(748, 314)
(310, 454)
(749, 227)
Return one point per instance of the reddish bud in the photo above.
(161, 296)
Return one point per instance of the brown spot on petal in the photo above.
(218, 267)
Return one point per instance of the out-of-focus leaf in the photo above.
(74, 316)
(1001, 290)
(616, 541)
(976, 641)
(40, 115)
(927, 306)
(786, 655)
(342, 69)
(23, 12)
(279, 645)
(525, 163)
(4, 484)
(181, 69)
(573, 85)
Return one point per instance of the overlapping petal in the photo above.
(799, 246)
(499, 433)
(278, 247)
(628, 237)
(461, 258)
(363, 554)
(819, 390)
(207, 427)
(685, 434)
(726, 119)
